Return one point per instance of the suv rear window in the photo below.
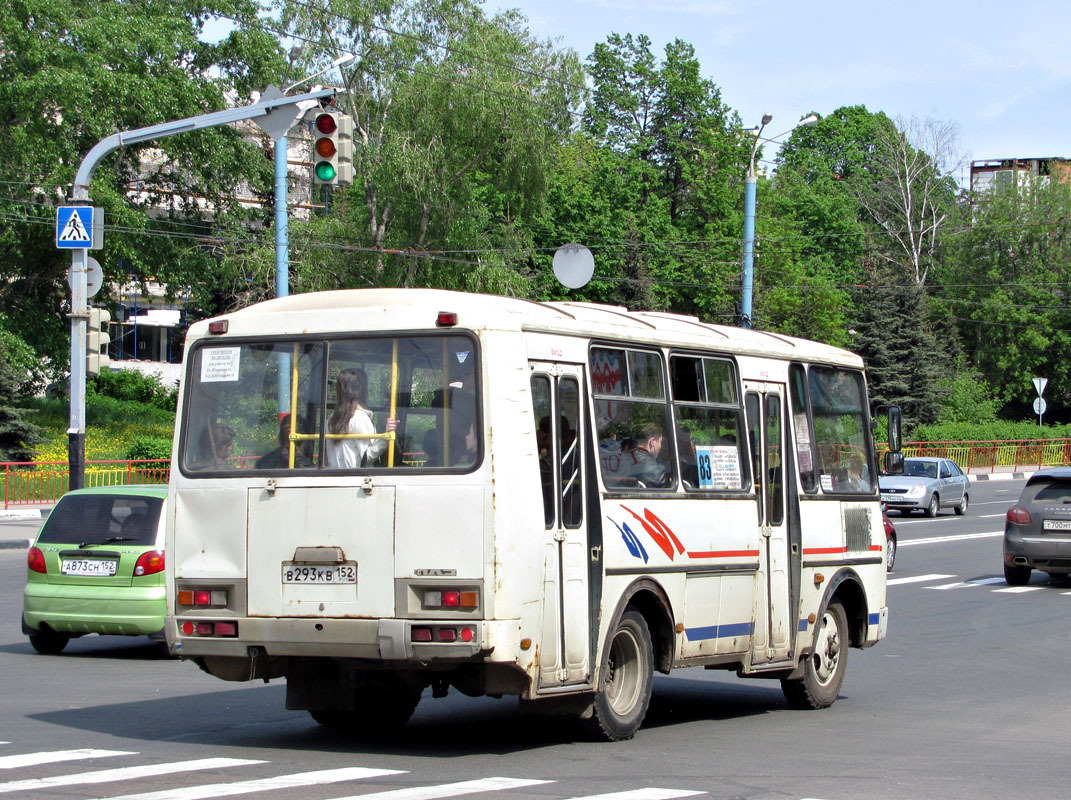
(1049, 490)
(102, 519)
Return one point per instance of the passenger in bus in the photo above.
(279, 458)
(352, 415)
(433, 449)
(640, 460)
(216, 444)
(463, 449)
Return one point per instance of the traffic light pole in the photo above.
(275, 114)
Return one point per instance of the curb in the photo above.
(20, 513)
(999, 476)
(15, 544)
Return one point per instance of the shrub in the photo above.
(148, 447)
(130, 385)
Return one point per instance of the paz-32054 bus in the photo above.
(376, 492)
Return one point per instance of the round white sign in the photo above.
(573, 265)
(94, 277)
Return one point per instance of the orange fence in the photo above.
(35, 483)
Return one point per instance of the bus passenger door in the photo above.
(563, 646)
(764, 406)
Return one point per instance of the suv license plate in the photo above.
(345, 572)
(1056, 524)
(88, 567)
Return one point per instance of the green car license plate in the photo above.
(90, 567)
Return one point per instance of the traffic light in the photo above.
(332, 148)
(97, 341)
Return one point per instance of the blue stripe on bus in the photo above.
(803, 625)
(719, 631)
(874, 619)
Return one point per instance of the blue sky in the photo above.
(1000, 71)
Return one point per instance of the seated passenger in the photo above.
(279, 458)
(640, 460)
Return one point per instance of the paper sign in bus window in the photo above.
(719, 467)
(219, 364)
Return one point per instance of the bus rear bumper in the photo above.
(393, 640)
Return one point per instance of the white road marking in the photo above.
(641, 794)
(123, 773)
(449, 789)
(946, 586)
(1019, 589)
(917, 579)
(56, 756)
(293, 781)
(939, 539)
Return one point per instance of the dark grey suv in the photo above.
(1037, 529)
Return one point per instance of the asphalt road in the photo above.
(966, 698)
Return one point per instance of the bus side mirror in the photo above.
(894, 463)
(893, 413)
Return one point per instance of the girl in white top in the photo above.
(351, 415)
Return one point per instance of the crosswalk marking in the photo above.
(1019, 589)
(965, 584)
(448, 789)
(56, 756)
(917, 579)
(293, 781)
(641, 794)
(124, 773)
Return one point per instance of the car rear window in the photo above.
(1049, 490)
(102, 519)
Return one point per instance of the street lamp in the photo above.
(749, 215)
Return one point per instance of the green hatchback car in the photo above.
(97, 566)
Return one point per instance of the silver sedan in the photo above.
(927, 484)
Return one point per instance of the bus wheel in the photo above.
(627, 677)
(823, 671)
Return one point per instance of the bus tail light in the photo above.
(201, 598)
(35, 560)
(204, 628)
(451, 598)
(442, 633)
(446, 319)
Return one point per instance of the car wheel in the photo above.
(890, 553)
(1016, 576)
(961, 507)
(823, 670)
(48, 642)
(626, 680)
(934, 505)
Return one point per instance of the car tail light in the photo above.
(35, 560)
(1018, 515)
(150, 563)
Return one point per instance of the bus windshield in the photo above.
(324, 404)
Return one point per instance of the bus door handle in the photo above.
(596, 552)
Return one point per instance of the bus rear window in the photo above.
(319, 405)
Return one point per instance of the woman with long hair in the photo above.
(352, 415)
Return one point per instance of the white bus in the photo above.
(548, 500)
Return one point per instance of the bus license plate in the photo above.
(88, 567)
(1056, 524)
(345, 572)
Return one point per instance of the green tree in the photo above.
(457, 119)
(72, 74)
(17, 434)
(1007, 280)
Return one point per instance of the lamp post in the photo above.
(749, 216)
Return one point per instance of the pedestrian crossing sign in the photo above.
(79, 227)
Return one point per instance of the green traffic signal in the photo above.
(325, 171)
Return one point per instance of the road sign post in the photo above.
(1039, 403)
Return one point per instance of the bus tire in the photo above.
(626, 680)
(823, 669)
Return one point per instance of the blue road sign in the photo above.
(74, 227)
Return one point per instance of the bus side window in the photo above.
(541, 409)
